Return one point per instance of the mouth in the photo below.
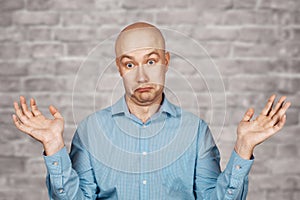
(144, 89)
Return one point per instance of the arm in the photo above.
(212, 184)
(67, 181)
(62, 180)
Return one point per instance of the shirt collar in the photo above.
(121, 107)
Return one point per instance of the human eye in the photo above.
(129, 65)
(151, 62)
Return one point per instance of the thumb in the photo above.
(55, 112)
(248, 115)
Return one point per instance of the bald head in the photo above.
(139, 35)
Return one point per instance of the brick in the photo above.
(239, 17)
(75, 34)
(288, 151)
(258, 35)
(47, 50)
(13, 68)
(256, 194)
(215, 34)
(8, 51)
(247, 4)
(259, 84)
(289, 49)
(217, 49)
(10, 84)
(132, 4)
(255, 50)
(39, 34)
(279, 194)
(38, 5)
(276, 4)
(212, 5)
(42, 84)
(10, 133)
(250, 66)
(67, 67)
(107, 4)
(79, 49)
(11, 34)
(41, 67)
(296, 34)
(11, 165)
(36, 18)
(75, 5)
(177, 17)
(11, 5)
(210, 18)
(28, 148)
(5, 19)
(36, 166)
(26, 182)
(6, 148)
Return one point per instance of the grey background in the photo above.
(255, 44)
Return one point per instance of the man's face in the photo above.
(143, 72)
(142, 63)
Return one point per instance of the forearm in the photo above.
(231, 184)
(62, 181)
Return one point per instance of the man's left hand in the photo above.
(270, 121)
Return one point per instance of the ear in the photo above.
(167, 60)
(118, 66)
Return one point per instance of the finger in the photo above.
(55, 112)
(280, 113)
(20, 113)
(248, 115)
(278, 106)
(25, 108)
(34, 108)
(21, 126)
(280, 124)
(268, 106)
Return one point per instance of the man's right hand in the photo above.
(47, 131)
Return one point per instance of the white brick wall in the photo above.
(255, 44)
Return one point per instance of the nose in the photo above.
(141, 74)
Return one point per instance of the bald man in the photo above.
(143, 146)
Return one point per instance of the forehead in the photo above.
(139, 40)
(140, 53)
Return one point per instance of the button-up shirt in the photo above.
(114, 155)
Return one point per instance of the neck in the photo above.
(143, 112)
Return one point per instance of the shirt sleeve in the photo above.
(70, 181)
(212, 184)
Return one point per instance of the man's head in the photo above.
(142, 62)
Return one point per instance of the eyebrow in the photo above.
(147, 55)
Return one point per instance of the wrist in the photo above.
(53, 147)
(243, 149)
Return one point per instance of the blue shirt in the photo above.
(171, 156)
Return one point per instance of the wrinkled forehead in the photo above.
(139, 38)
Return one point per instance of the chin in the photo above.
(146, 98)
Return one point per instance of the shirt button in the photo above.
(144, 153)
(238, 167)
(144, 182)
(229, 191)
(61, 190)
(55, 163)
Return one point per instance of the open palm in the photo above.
(269, 122)
(35, 124)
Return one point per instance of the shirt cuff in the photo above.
(58, 162)
(239, 167)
